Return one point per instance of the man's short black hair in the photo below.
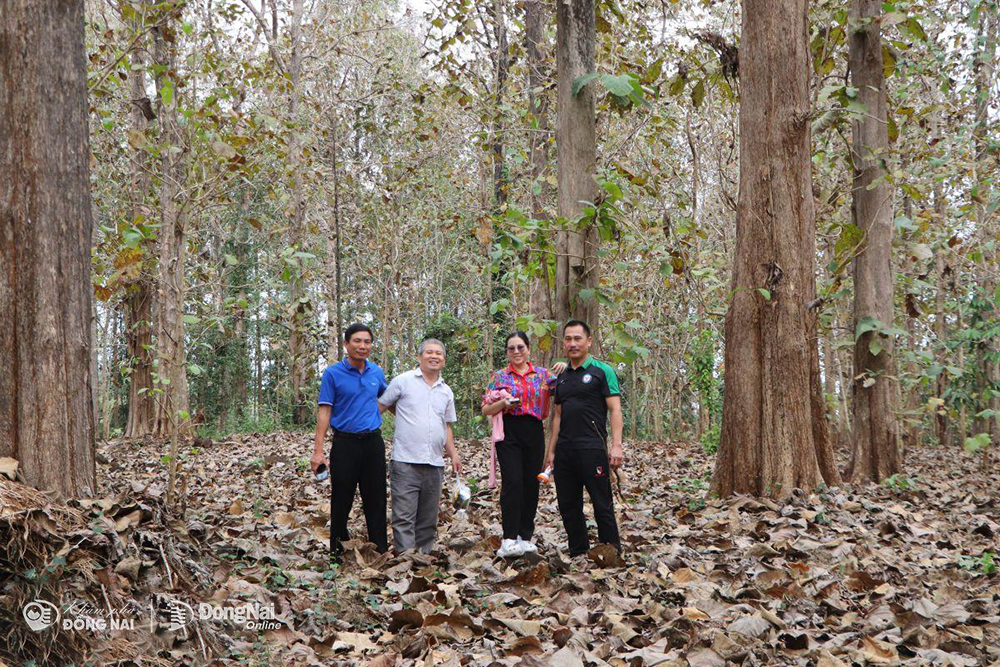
(355, 328)
(577, 323)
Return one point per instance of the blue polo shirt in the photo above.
(353, 395)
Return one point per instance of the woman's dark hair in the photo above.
(517, 334)
(355, 328)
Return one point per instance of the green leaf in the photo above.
(653, 72)
(231, 260)
(850, 237)
(676, 86)
(581, 81)
(976, 442)
(187, 27)
(765, 293)
(875, 346)
(167, 92)
(698, 93)
(195, 369)
(914, 28)
(866, 324)
(620, 85)
(888, 61)
(191, 319)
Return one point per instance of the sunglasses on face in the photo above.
(517, 348)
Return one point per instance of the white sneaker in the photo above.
(527, 546)
(510, 549)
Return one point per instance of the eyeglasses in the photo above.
(517, 348)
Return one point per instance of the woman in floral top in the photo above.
(522, 448)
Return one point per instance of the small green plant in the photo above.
(976, 443)
(710, 439)
(690, 485)
(473, 483)
(901, 482)
(985, 564)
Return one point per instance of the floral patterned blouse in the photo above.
(534, 388)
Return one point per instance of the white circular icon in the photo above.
(40, 614)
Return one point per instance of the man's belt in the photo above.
(356, 436)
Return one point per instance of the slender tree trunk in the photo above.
(876, 441)
(940, 328)
(299, 308)
(138, 301)
(172, 404)
(910, 433)
(334, 317)
(46, 411)
(984, 69)
(773, 440)
(500, 284)
(576, 153)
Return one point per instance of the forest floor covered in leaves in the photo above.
(896, 574)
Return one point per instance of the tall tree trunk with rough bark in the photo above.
(334, 313)
(138, 302)
(984, 73)
(46, 412)
(299, 308)
(172, 401)
(540, 300)
(875, 453)
(773, 439)
(576, 153)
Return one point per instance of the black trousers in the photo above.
(520, 455)
(358, 462)
(575, 470)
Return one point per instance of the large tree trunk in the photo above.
(139, 296)
(773, 440)
(299, 308)
(172, 403)
(540, 303)
(576, 152)
(875, 453)
(46, 412)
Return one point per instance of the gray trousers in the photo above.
(416, 496)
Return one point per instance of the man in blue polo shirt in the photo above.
(348, 403)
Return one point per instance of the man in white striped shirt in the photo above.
(425, 410)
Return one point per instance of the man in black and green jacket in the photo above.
(586, 395)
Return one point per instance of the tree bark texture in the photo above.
(139, 294)
(875, 452)
(171, 355)
(576, 153)
(334, 316)
(299, 308)
(46, 295)
(984, 73)
(540, 300)
(774, 438)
